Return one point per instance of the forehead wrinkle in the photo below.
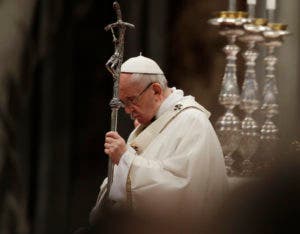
(128, 87)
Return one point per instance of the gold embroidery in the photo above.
(128, 191)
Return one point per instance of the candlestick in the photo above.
(251, 11)
(228, 125)
(271, 15)
(251, 8)
(270, 105)
(249, 96)
(232, 5)
(251, 2)
(241, 139)
(271, 4)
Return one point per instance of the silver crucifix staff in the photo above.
(113, 65)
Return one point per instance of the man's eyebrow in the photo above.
(130, 97)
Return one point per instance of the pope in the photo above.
(172, 165)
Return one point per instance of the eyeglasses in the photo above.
(134, 100)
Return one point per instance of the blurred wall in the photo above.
(15, 25)
(289, 73)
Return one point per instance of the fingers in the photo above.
(111, 137)
(109, 151)
(107, 146)
(114, 146)
(109, 140)
(112, 134)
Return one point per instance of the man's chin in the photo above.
(142, 121)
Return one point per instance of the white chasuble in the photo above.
(177, 167)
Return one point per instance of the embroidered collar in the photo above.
(175, 96)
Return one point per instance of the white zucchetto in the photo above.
(141, 64)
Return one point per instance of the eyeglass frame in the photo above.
(135, 99)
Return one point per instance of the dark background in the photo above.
(57, 112)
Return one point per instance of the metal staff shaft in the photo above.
(113, 65)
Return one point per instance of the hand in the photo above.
(114, 146)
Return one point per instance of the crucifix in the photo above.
(113, 65)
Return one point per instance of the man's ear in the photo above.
(157, 88)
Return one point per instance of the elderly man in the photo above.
(172, 165)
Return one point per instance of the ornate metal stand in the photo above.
(270, 107)
(244, 137)
(228, 125)
(249, 95)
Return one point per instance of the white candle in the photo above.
(251, 8)
(252, 2)
(271, 4)
(232, 5)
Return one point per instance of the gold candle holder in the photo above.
(230, 18)
(254, 30)
(276, 30)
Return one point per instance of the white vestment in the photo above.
(180, 172)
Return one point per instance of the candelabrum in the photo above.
(228, 125)
(270, 107)
(249, 100)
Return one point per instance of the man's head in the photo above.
(143, 87)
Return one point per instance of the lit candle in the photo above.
(271, 4)
(251, 2)
(232, 5)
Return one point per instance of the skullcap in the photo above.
(141, 64)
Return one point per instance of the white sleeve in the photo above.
(118, 187)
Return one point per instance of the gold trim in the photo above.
(242, 14)
(260, 21)
(278, 26)
(232, 14)
(128, 191)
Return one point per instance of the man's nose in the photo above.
(128, 109)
